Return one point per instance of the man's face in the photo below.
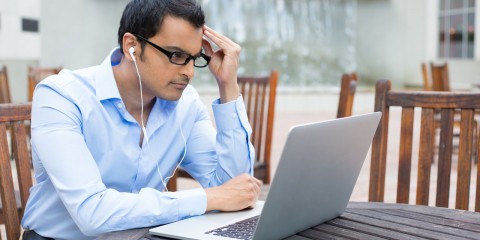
(160, 77)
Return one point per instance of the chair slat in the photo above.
(440, 79)
(405, 159)
(261, 117)
(379, 146)
(23, 160)
(272, 94)
(445, 157)
(5, 96)
(9, 205)
(477, 191)
(464, 159)
(427, 85)
(348, 87)
(425, 156)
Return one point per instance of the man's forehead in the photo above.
(179, 33)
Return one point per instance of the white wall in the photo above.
(394, 37)
(79, 33)
(390, 40)
(14, 43)
(18, 49)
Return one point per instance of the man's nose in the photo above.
(189, 69)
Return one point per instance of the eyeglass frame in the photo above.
(171, 54)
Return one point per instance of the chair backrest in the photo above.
(347, 92)
(427, 81)
(4, 86)
(429, 102)
(14, 116)
(440, 79)
(259, 94)
(37, 74)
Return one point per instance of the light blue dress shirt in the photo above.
(93, 177)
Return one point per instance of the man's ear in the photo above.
(129, 40)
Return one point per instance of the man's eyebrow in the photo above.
(179, 49)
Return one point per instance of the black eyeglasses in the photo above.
(180, 58)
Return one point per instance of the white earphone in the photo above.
(131, 50)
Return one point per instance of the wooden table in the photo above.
(372, 221)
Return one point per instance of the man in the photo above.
(106, 139)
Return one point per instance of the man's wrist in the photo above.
(229, 93)
(211, 199)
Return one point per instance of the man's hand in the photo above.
(238, 193)
(224, 63)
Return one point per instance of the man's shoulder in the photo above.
(72, 84)
(66, 77)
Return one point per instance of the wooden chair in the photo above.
(37, 74)
(428, 102)
(14, 116)
(4, 86)
(427, 81)
(259, 94)
(440, 79)
(436, 78)
(347, 92)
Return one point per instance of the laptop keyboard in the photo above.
(240, 230)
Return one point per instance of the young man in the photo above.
(106, 139)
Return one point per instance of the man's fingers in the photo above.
(220, 40)
(207, 47)
(257, 185)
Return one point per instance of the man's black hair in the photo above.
(145, 17)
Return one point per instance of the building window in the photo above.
(29, 25)
(457, 28)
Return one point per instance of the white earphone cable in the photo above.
(145, 136)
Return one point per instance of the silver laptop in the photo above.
(313, 182)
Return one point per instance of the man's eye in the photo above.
(179, 55)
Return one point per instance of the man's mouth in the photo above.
(180, 84)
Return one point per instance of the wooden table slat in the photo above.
(414, 226)
(313, 234)
(373, 230)
(345, 232)
(453, 223)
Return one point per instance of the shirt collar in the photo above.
(106, 86)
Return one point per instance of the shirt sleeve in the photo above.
(214, 159)
(58, 141)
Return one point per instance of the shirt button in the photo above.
(192, 214)
(234, 115)
(152, 222)
(120, 105)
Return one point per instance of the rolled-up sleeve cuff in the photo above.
(229, 115)
(192, 202)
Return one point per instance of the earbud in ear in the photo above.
(132, 50)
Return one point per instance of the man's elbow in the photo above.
(90, 225)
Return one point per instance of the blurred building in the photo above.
(311, 42)
(19, 41)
